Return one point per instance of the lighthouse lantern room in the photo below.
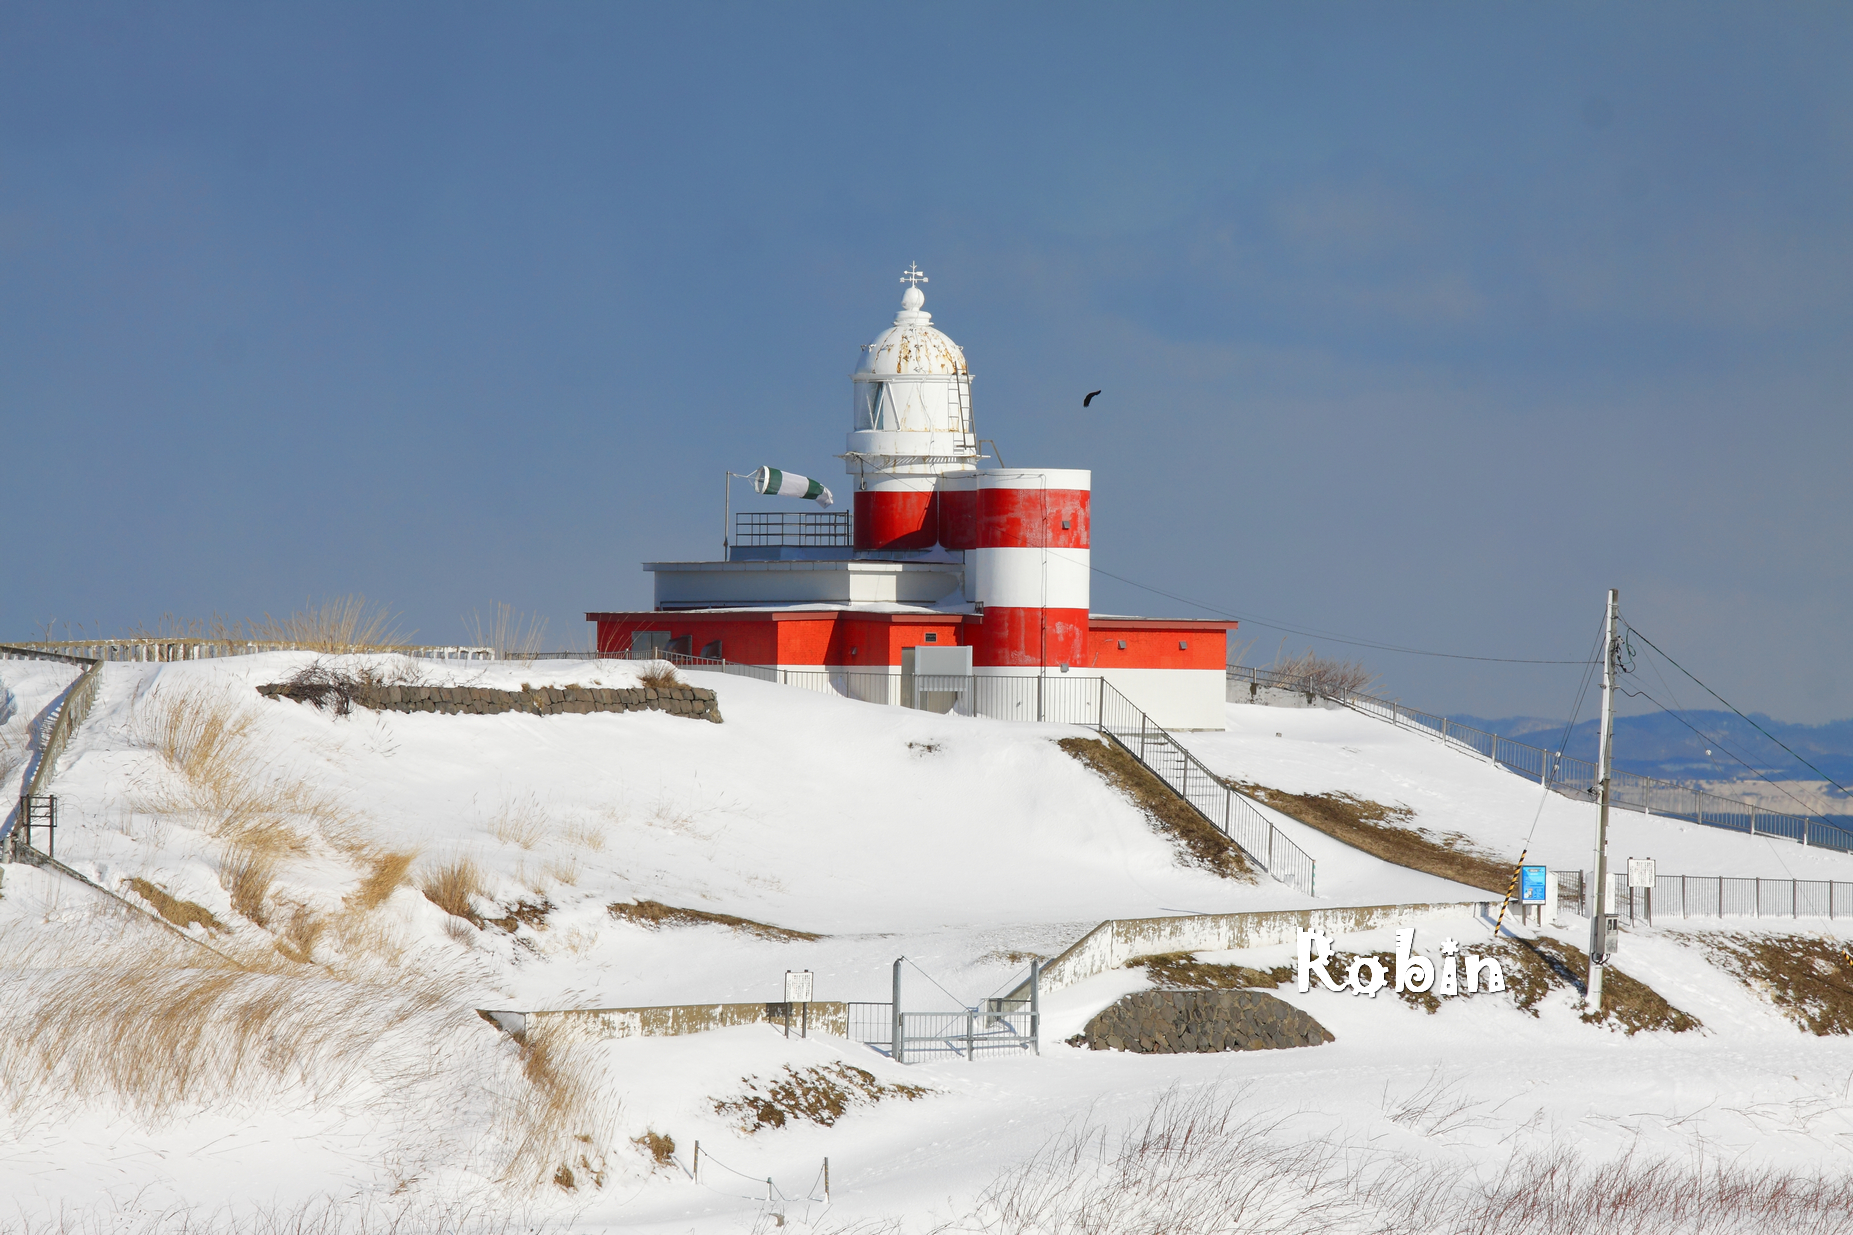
(938, 550)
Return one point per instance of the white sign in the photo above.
(1414, 972)
(1640, 872)
(798, 984)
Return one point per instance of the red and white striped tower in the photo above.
(1029, 569)
(910, 426)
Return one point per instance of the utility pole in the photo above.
(1599, 941)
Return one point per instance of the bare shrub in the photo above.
(513, 635)
(453, 886)
(246, 874)
(1320, 675)
(655, 914)
(659, 675)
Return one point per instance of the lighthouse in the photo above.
(943, 559)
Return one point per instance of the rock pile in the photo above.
(1179, 1022)
(695, 702)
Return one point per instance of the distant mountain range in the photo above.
(1658, 745)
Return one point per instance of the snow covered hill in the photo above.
(376, 877)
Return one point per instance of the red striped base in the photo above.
(1011, 637)
(897, 519)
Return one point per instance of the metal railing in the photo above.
(1725, 896)
(800, 528)
(53, 738)
(995, 1027)
(164, 648)
(1063, 699)
(1571, 777)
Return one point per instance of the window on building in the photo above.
(932, 637)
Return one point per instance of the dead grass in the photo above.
(182, 913)
(298, 939)
(1201, 843)
(1381, 831)
(655, 915)
(386, 871)
(247, 875)
(819, 1095)
(658, 674)
(513, 635)
(453, 886)
(520, 821)
(660, 1148)
(1809, 979)
(221, 782)
(1207, 1162)
(1183, 971)
(341, 624)
(1534, 967)
(585, 834)
(550, 1127)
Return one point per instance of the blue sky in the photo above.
(1419, 324)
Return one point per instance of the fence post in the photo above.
(1035, 1006)
(897, 1048)
(1685, 906)
(1753, 819)
(1759, 896)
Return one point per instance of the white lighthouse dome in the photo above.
(912, 345)
(912, 411)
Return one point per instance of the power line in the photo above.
(1806, 813)
(1328, 637)
(1727, 703)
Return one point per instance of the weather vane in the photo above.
(912, 275)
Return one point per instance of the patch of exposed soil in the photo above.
(660, 1147)
(1198, 838)
(1809, 979)
(1183, 971)
(183, 914)
(655, 914)
(820, 1095)
(1383, 832)
(522, 913)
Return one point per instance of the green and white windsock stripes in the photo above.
(770, 480)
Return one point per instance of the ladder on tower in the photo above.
(962, 384)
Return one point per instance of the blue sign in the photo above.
(1531, 884)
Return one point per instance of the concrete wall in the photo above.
(1111, 944)
(606, 1024)
(1238, 691)
(696, 702)
(1175, 698)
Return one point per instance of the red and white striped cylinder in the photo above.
(958, 510)
(896, 512)
(1029, 569)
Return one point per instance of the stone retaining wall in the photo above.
(1181, 1022)
(696, 702)
(672, 1020)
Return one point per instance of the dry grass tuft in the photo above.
(655, 914)
(661, 1148)
(550, 1123)
(341, 624)
(1183, 971)
(658, 674)
(224, 786)
(1808, 978)
(386, 872)
(1380, 831)
(297, 943)
(453, 887)
(1200, 839)
(513, 635)
(247, 874)
(520, 822)
(184, 914)
(585, 834)
(819, 1095)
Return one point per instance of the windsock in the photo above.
(771, 481)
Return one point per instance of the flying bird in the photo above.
(1089, 399)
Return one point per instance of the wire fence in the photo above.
(1725, 896)
(1571, 777)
